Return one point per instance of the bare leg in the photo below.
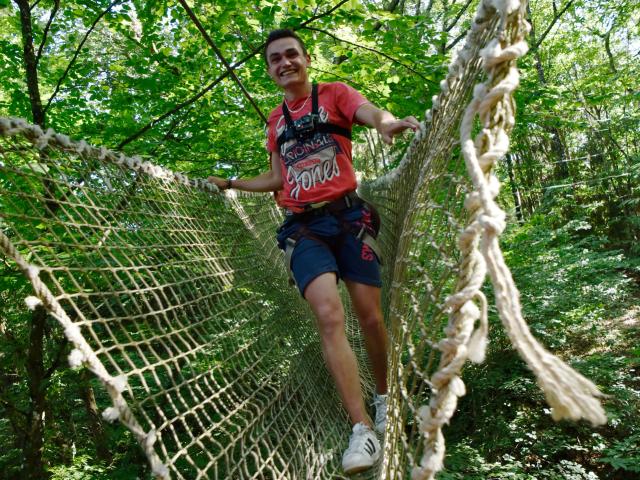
(367, 306)
(322, 295)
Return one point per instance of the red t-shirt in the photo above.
(318, 168)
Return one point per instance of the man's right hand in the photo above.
(265, 182)
(221, 183)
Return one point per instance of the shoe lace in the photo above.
(380, 403)
(358, 437)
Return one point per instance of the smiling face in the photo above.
(287, 63)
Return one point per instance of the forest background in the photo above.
(140, 77)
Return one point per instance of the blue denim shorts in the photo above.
(332, 249)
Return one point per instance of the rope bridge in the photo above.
(176, 297)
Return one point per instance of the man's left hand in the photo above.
(390, 128)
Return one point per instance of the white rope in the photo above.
(570, 395)
(13, 126)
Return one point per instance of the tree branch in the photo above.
(77, 52)
(458, 15)
(320, 15)
(427, 10)
(174, 110)
(226, 64)
(224, 75)
(556, 17)
(56, 6)
(394, 60)
(455, 41)
(607, 47)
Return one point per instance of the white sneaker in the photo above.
(380, 402)
(363, 452)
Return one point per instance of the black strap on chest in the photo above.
(310, 124)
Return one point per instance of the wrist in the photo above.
(383, 120)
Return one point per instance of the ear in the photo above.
(268, 68)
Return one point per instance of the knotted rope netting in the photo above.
(176, 297)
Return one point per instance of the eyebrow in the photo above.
(287, 51)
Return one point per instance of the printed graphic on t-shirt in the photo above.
(311, 161)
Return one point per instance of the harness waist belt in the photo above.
(311, 210)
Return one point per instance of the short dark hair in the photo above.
(282, 33)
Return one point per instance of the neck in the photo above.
(295, 92)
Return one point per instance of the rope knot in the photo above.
(470, 310)
(32, 302)
(479, 91)
(492, 225)
(134, 162)
(472, 201)
(148, 168)
(76, 358)
(457, 387)
(160, 470)
(82, 147)
(150, 439)
(103, 153)
(63, 140)
(5, 126)
(506, 7)
(72, 331)
(43, 139)
(110, 414)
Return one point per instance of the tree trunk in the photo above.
(30, 63)
(514, 189)
(34, 441)
(95, 421)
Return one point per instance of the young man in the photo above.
(328, 230)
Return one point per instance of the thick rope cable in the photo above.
(49, 138)
(570, 395)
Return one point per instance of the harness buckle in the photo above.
(314, 206)
(290, 245)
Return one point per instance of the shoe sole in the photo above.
(360, 468)
(354, 470)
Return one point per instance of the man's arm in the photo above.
(384, 122)
(266, 182)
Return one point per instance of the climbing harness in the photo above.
(309, 125)
(360, 230)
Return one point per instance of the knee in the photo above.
(330, 318)
(371, 322)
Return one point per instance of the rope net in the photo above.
(176, 297)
